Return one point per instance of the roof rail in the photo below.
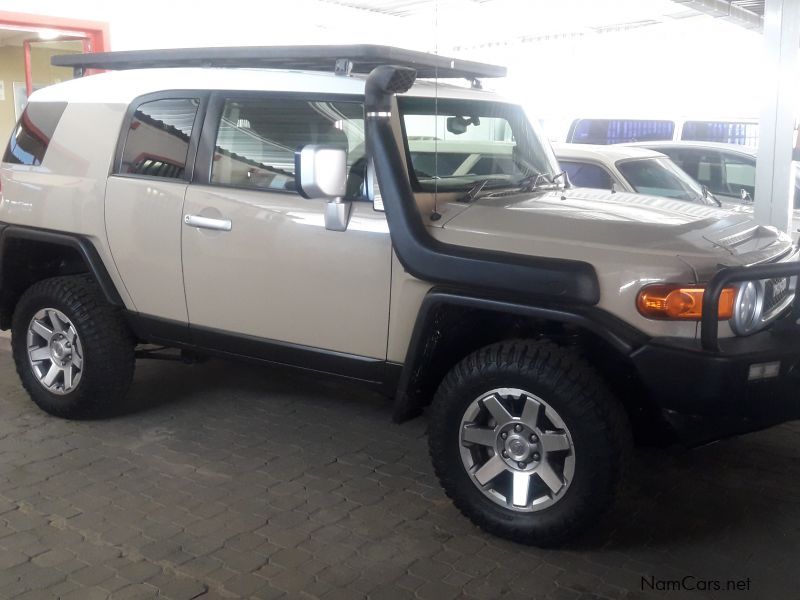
(355, 58)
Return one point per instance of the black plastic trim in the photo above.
(188, 172)
(621, 336)
(204, 339)
(364, 57)
(543, 278)
(709, 322)
(83, 245)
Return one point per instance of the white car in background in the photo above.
(627, 169)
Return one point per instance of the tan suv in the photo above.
(293, 205)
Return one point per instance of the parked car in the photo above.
(727, 170)
(626, 169)
(621, 130)
(272, 213)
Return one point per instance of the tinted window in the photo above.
(30, 139)
(616, 131)
(158, 138)
(721, 131)
(586, 175)
(257, 140)
(704, 166)
(740, 174)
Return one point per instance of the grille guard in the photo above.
(709, 321)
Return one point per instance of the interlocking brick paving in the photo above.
(223, 480)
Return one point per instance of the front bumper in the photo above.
(711, 388)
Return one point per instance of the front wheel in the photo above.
(527, 441)
(73, 351)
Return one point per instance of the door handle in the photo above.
(207, 223)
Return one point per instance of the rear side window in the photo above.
(157, 143)
(586, 175)
(257, 139)
(728, 132)
(34, 131)
(617, 131)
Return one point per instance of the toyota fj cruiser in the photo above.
(291, 205)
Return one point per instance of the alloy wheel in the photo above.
(55, 351)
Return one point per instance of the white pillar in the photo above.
(781, 43)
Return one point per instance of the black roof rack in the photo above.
(356, 58)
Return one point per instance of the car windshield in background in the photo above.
(454, 144)
(661, 177)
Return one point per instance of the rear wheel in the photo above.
(72, 350)
(527, 441)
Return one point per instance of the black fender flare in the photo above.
(79, 243)
(619, 335)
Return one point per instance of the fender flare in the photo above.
(81, 244)
(622, 337)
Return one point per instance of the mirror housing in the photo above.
(321, 172)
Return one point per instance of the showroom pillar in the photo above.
(781, 43)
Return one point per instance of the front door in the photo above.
(257, 260)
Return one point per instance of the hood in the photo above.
(626, 222)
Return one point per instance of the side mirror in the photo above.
(321, 172)
(745, 196)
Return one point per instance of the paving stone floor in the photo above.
(223, 480)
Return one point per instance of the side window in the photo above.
(586, 175)
(257, 139)
(157, 143)
(740, 174)
(616, 131)
(34, 131)
(703, 166)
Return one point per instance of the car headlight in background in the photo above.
(748, 308)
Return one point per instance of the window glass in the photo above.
(740, 174)
(703, 166)
(728, 132)
(456, 143)
(587, 175)
(660, 177)
(258, 137)
(616, 131)
(158, 138)
(30, 139)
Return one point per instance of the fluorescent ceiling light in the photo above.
(48, 34)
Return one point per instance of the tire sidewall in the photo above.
(595, 456)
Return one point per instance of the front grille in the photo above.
(776, 291)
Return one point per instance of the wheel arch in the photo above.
(451, 324)
(28, 255)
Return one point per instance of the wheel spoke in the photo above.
(548, 476)
(497, 410)
(554, 442)
(490, 469)
(68, 376)
(530, 412)
(50, 378)
(40, 354)
(42, 330)
(520, 487)
(77, 359)
(482, 436)
(58, 326)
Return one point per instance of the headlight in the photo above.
(748, 307)
(670, 301)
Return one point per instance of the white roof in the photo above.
(610, 153)
(124, 86)
(741, 149)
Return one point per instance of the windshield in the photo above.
(454, 144)
(661, 177)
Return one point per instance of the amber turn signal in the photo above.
(671, 301)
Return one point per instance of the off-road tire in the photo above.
(598, 424)
(108, 347)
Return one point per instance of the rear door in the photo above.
(145, 195)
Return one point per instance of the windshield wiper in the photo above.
(537, 181)
(473, 192)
